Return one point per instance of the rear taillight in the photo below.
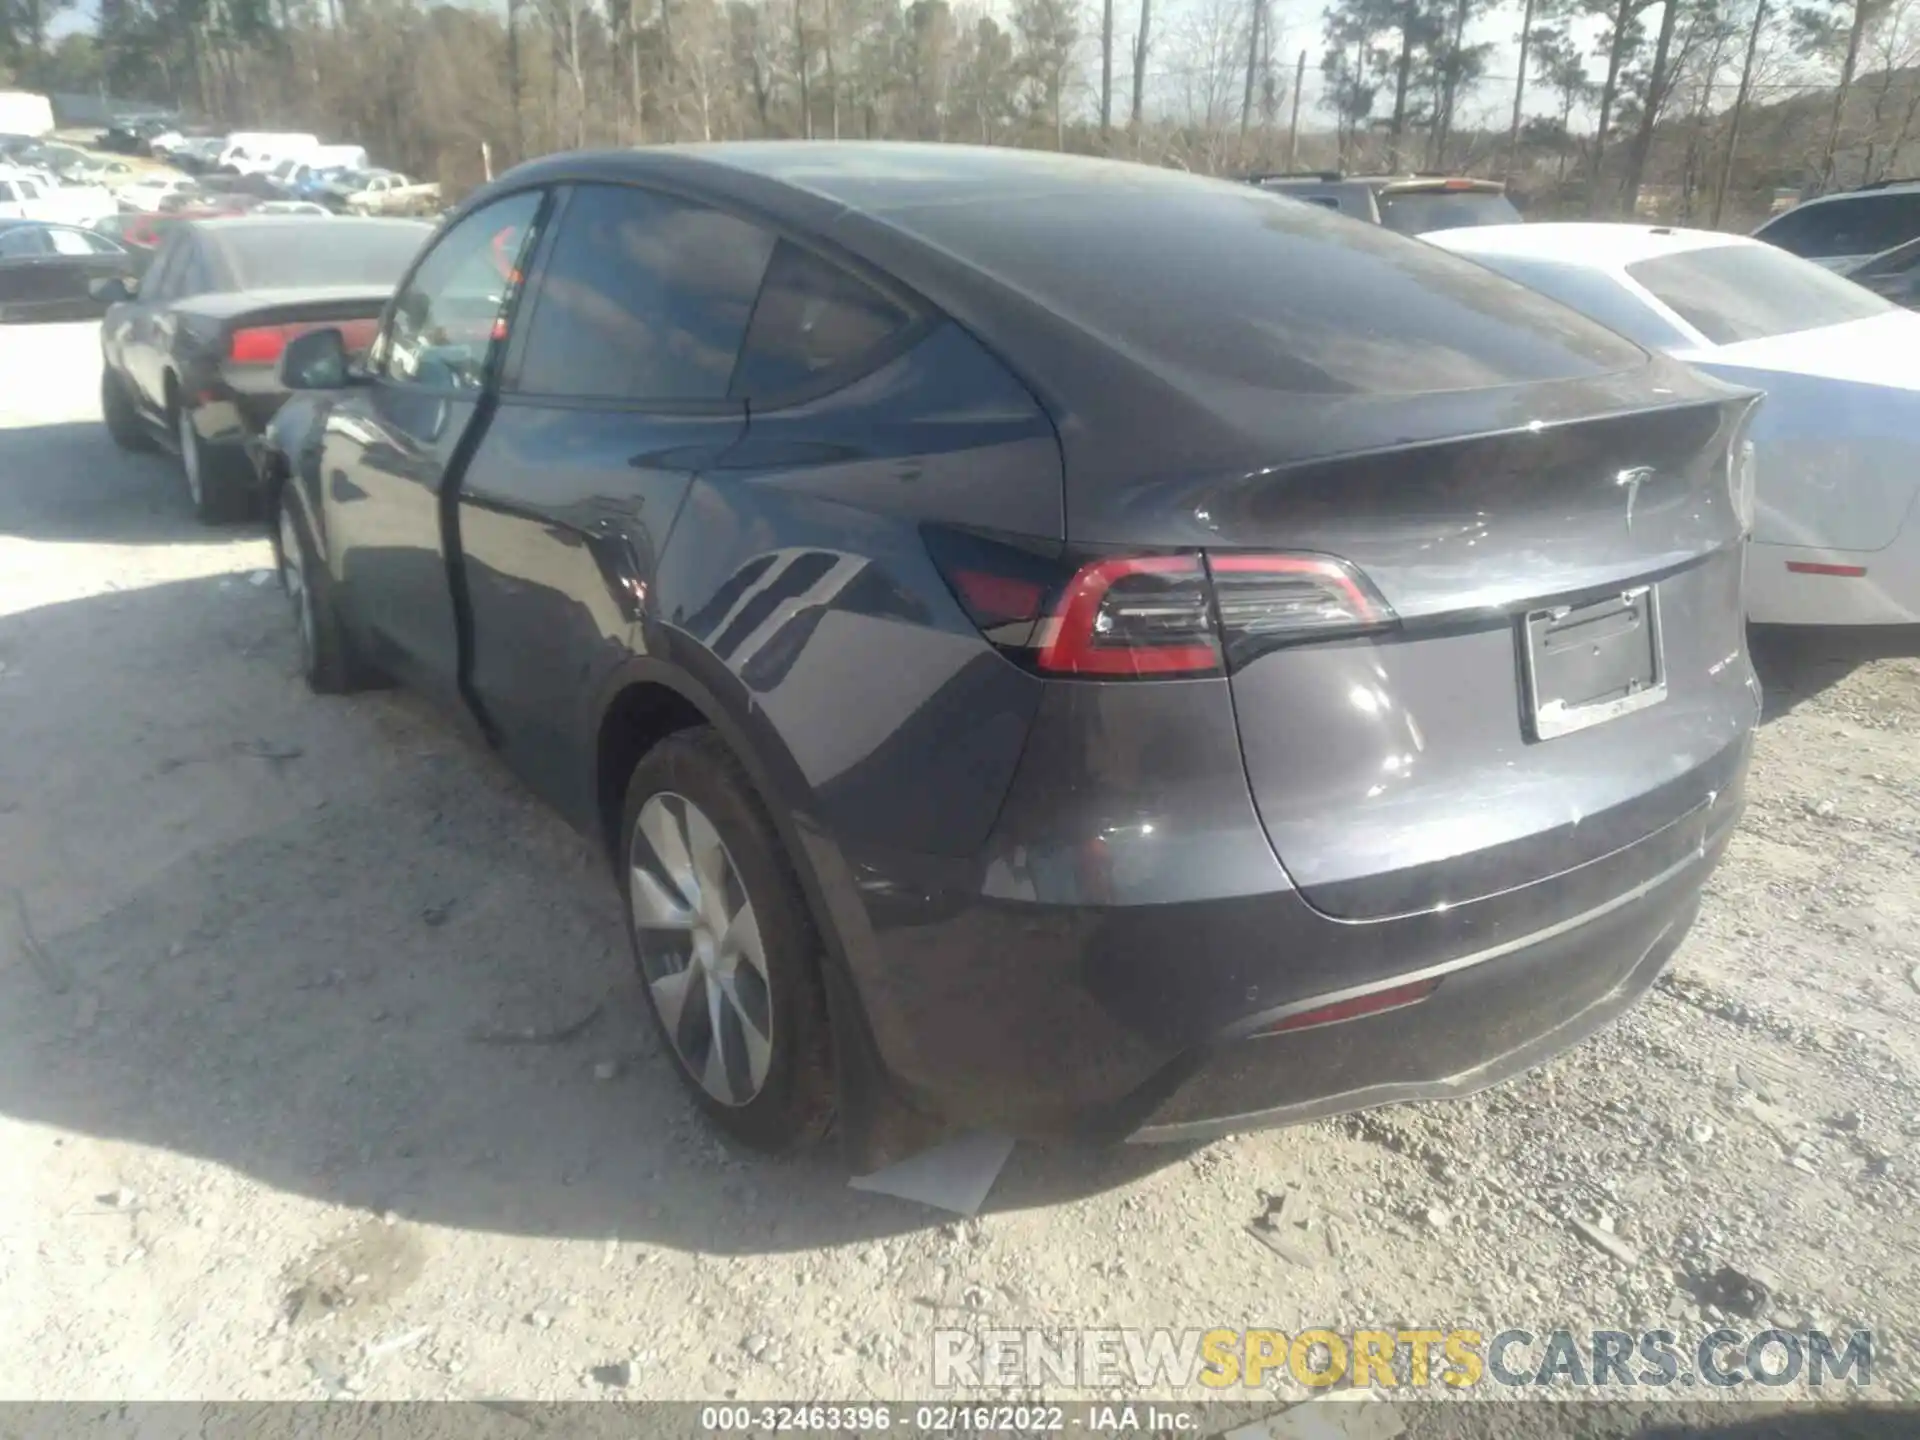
(1741, 469)
(1157, 616)
(263, 344)
(1270, 600)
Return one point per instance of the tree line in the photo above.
(1588, 107)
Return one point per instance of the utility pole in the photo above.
(1519, 90)
(1293, 123)
(800, 47)
(1739, 113)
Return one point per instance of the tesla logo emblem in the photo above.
(1631, 481)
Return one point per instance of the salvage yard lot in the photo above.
(323, 1070)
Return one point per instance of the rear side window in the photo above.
(812, 318)
(645, 297)
(1858, 225)
(6, 190)
(1731, 293)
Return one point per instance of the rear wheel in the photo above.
(725, 945)
(327, 658)
(213, 486)
(123, 421)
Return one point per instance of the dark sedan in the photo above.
(48, 271)
(1047, 643)
(1892, 274)
(190, 357)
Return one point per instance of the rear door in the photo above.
(615, 398)
(390, 445)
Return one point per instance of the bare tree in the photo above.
(1140, 52)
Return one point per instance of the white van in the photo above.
(251, 151)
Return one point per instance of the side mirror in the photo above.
(111, 289)
(316, 360)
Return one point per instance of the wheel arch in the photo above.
(656, 695)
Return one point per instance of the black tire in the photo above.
(123, 421)
(327, 657)
(217, 482)
(793, 1109)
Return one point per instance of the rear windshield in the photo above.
(1238, 288)
(336, 253)
(1417, 211)
(1731, 293)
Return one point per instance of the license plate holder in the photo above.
(1593, 662)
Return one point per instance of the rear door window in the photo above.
(23, 244)
(813, 319)
(645, 297)
(1857, 225)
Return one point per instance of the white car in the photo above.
(27, 195)
(145, 192)
(1836, 539)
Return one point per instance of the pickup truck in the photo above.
(387, 192)
(34, 197)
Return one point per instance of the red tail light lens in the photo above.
(264, 344)
(1138, 615)
(1166, 616)
(257, 347)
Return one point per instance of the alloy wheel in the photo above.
(700, 948)
(190, 455)
(293, 577)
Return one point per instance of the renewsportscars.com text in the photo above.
(1398, 1359)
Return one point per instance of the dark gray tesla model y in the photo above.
(1048, 643)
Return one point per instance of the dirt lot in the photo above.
(267, 964)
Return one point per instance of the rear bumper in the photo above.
(1887, 594)
(1490, 1017)
(1109, 986)
(231, 422)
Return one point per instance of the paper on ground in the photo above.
(955, 1176)
(1317, 1420)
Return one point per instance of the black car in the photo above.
(1047, 644)
(48, 271)
(190, 356)
(1892, 274)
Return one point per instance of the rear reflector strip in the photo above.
(1378, 1002)
(1814, 567)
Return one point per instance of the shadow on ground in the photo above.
(1798, 662)
(68, 482)
(335, 948)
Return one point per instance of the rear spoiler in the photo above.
(1433, 185)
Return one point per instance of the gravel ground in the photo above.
(268, 965)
